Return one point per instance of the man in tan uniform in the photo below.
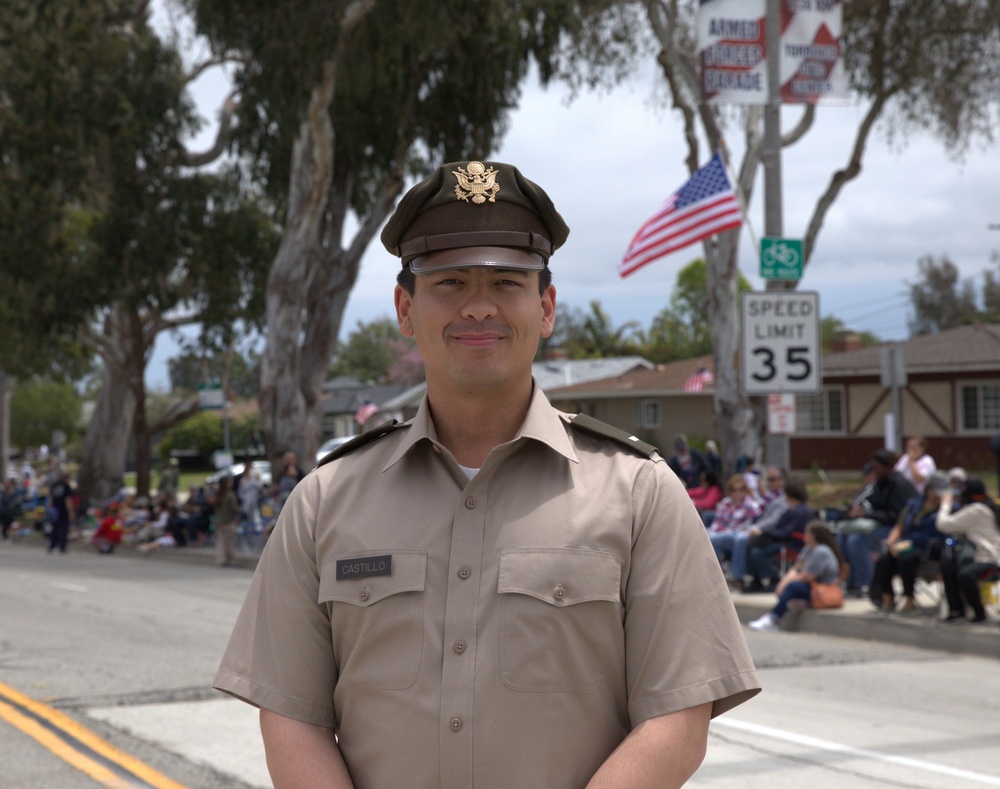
(495, 594)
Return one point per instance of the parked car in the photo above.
(330, 445)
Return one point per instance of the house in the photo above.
(344, 395)
(952, 397)
(649, 402)
(548, 374)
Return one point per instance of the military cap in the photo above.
(475, 214)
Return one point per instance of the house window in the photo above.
(980, 404)
(820, 413)
(649, 413)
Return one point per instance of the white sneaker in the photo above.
(768, 623)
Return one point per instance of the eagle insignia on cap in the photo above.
(476, 182)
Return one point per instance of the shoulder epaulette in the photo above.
(361, 440)
(596, 427)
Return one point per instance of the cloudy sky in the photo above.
(608, 161)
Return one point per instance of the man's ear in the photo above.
(403, 301)
(548, 311)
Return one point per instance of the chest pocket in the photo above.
(560, 618)
(377, 623)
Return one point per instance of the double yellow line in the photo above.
(77, 745)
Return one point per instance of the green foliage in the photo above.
(681, 330)
(942, 301)
(830, 329)
(202, 433)
(376, 352)
(196, 366)
(39, 407)
(592, 335)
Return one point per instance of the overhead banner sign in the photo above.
(732, 51)
(812, 62)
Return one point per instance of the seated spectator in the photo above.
(867, 523)
(747, 466)
(912, 540)
(685, 462)
(915, 464)
(10, 507)
(110, 530)
(197, 510)
(819, 562)
(766, 542)
(958, 477)
(713, 460)
(977, 521)
(733, 516)
(172, 536)
(706, 496)
(773, 509)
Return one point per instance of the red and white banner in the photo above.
(733, 47)
(732, 51)
(812, 58)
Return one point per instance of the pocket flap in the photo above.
(561, 576)
(409, 570)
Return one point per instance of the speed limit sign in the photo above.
(780, 342)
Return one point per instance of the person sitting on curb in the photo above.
(820, 562)
(978, 522)
(914, 539)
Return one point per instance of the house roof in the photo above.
(554, 373)
(348, 395)
(641, 382)
(967, 348)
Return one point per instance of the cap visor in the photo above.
(468, 257)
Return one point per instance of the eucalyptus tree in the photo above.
(339, 104)
(132, 241)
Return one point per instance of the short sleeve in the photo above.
(684, 643)
(280, 653)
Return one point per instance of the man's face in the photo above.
(476, 327)
(881, 471)
(774, 480)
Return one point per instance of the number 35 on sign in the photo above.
(780, 342)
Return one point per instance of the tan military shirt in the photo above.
(508, 630)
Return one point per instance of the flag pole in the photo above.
(739, 196)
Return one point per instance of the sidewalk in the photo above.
(857, 619)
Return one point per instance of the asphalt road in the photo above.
(125, 648)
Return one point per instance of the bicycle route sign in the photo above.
(779, 342)
(780, 258)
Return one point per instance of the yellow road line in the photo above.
(83, 736)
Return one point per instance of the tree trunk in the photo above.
(106, 442)
(282, 404)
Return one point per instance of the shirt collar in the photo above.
(542, 423)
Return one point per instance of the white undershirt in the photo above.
(469, 472)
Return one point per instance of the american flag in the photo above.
(698, 380)
(704, 206)
(367, 410)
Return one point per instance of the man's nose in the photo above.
(479, 304)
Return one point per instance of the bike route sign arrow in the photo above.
(780, 258)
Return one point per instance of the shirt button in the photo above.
(464, 573)
(363, 595)
(459, 647)
(456, 724)
(470, 503)
(560, 592)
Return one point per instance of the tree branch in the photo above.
(840, 178)
(226, 126)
